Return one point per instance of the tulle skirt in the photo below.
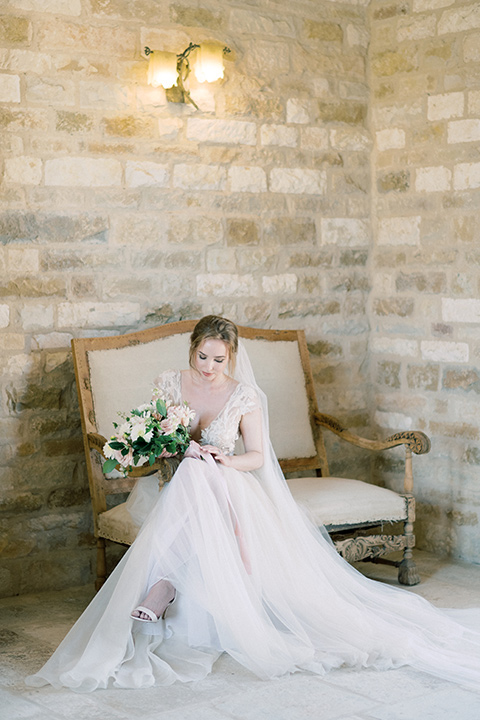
(270, 591)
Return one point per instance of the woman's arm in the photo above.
(252, 458)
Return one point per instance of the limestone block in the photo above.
(94, 93)
(306, 308)
(459, 20)
(241, 232)
(399, 230)
(298, 111)
(48, 90)
(24, 170)
(79, 171)
(443, 351)
(236, 132)
(51, 341)
(287, 231)
(247, 179)
(464, 310)
(223, 284)
(218, 260)
(12, 341)
(396, 306)
(111, 41)
(27, 61)
(60, 7)
(390, 139)
(285, 284)
(422, 5)
(445, 106)
(245, 21)
(393, 420)
(35, 317)
(23, 260)
(279, 135)
(474, 95)
(350, 139)
(9, 88)
(199, 177)
(298, 181)
(313, 138)
(346, 111)
(4, 316)
(199, 230)
(265, 60)
(422, 282)
(460, 131)
(90, 315)
(71, 122)
(389, 62)
(15, 30)
(138, 174)
(196, 16)
(416, 28)
(433, 179)
(466, 176)
(394, 346)
(471, 48)
(464, 379)
(129, 126)
(323, 31)
(168, 128)
(388, 373)
(357, 36)
(344, 231)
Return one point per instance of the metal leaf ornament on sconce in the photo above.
(162, 70)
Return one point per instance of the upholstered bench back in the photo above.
(121, 378)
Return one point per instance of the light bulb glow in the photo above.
(208, 65)
(162, 69)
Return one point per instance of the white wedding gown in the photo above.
(252, 580)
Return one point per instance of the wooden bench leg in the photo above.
(101, 564)
(407, 570)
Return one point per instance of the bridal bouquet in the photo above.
(153, 430)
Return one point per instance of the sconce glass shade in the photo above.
(162, 69)
(209, 63)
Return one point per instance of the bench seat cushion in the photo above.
(340, 502)
(330, 501)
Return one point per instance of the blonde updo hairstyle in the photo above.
(213, 327)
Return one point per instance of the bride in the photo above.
(225, 561)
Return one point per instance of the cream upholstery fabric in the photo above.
(122, 379)
(337, 502)
(330, 501)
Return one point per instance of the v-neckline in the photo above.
(207, 427)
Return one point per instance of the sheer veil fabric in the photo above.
(256, 579)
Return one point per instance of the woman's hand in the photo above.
(219, 455)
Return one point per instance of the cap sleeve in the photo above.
(248, 399)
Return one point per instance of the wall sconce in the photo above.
(171, 71)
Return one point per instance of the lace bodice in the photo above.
(223, 431)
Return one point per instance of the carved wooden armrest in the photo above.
(416, 440)
(164, 466)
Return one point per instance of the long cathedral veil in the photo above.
(442, 642)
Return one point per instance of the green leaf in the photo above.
(151, 459)
(115, 445)
(161, 407)
(109, 465)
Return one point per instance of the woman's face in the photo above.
(211, 358)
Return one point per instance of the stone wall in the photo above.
(425, 348)
(119, 210)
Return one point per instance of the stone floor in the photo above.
(31, 627)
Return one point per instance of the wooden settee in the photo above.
(116, 374)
